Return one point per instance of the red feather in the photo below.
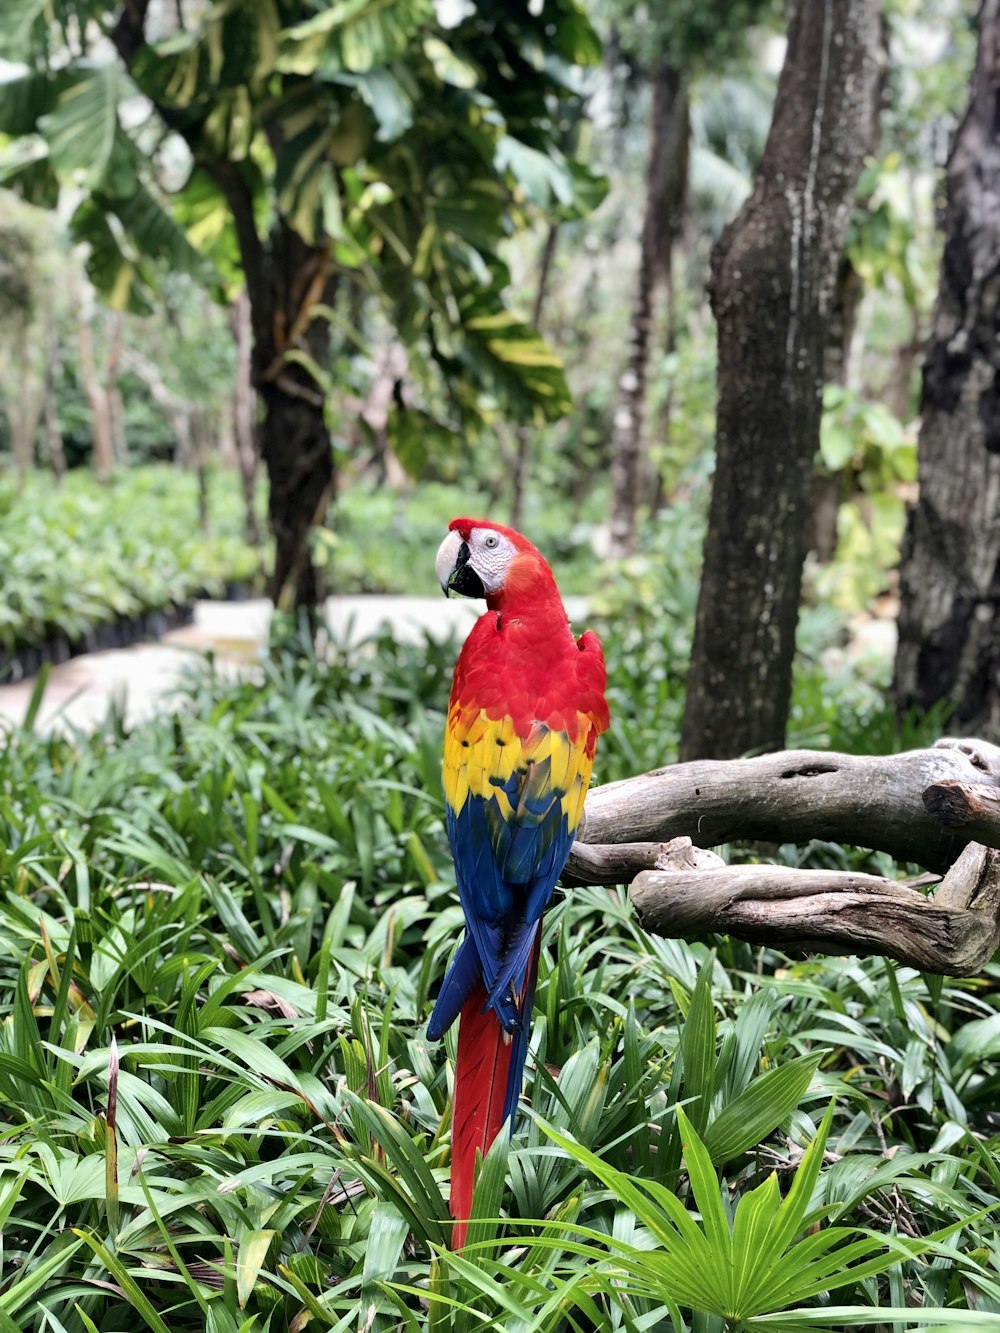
(483, 1076)
(481, 1072)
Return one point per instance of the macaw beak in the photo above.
(455, 573)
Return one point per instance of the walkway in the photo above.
(140, 679)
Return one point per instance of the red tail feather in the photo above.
(481, 1072)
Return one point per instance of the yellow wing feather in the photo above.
(481, 753)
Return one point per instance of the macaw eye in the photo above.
(492, 541)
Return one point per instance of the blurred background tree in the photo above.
(328, 237)
(329, 154)
(949, 626)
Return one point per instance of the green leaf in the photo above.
(16, 23)
(114, 275)
(386, 1238)
(354, 35)
(836, 444)
(760, 1108)
(697, 1048)
(449, 67)
(391, 104)
(81, 129)
(516, 365)
(252, 1253)
(133, 1293)
(487, 1201)
(834, 1317)
(423, 1201)
(15, 1297)
(707, 1196)
(157, 235)
(542, 177)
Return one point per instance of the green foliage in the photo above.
(89, 553)
(413, 150)
(877, 456)
(380, 539)
(692, 35)
(218, 939)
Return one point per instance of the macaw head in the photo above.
(483, 559)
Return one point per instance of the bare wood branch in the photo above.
(939, 807)
(954, 931)
(974, 807)
(872, 801)
(609, 863)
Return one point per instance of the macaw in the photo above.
(527, 706)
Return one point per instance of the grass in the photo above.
(219, 935)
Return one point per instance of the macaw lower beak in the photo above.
(464, 579)
(454, 572)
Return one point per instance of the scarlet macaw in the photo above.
(527, 706)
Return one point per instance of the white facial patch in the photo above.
(490, 555)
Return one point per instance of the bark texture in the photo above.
(940, 807)
(98, 401)
(903, 804)
(955, 930)
(772, 274)
(245, 414)
(949, 624)
(295, 441)
(666, 189)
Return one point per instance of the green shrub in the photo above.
(78, 556)
(218, 939)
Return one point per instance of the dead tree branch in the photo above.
(872, 801)
(939, 807)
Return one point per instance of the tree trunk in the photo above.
(949, 622)
(773, 272)
(522, 459)
(666, 186)
(116, 404)
(245, 414)
(201, 451)
(285, 278)
(23, 412)
(103, 455)
(50, 405)
(295, 441)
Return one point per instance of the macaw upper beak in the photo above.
(454, 572)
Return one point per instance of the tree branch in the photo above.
(955, 930)
(872, 801)
(924, 805)
(237, 195)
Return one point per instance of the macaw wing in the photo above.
(514, 804)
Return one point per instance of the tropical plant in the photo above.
(321, 150)
(92, 554)
(218, 939)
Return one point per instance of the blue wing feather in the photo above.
(509, 844)
(460, 981)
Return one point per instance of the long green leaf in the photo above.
(759, 1109)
